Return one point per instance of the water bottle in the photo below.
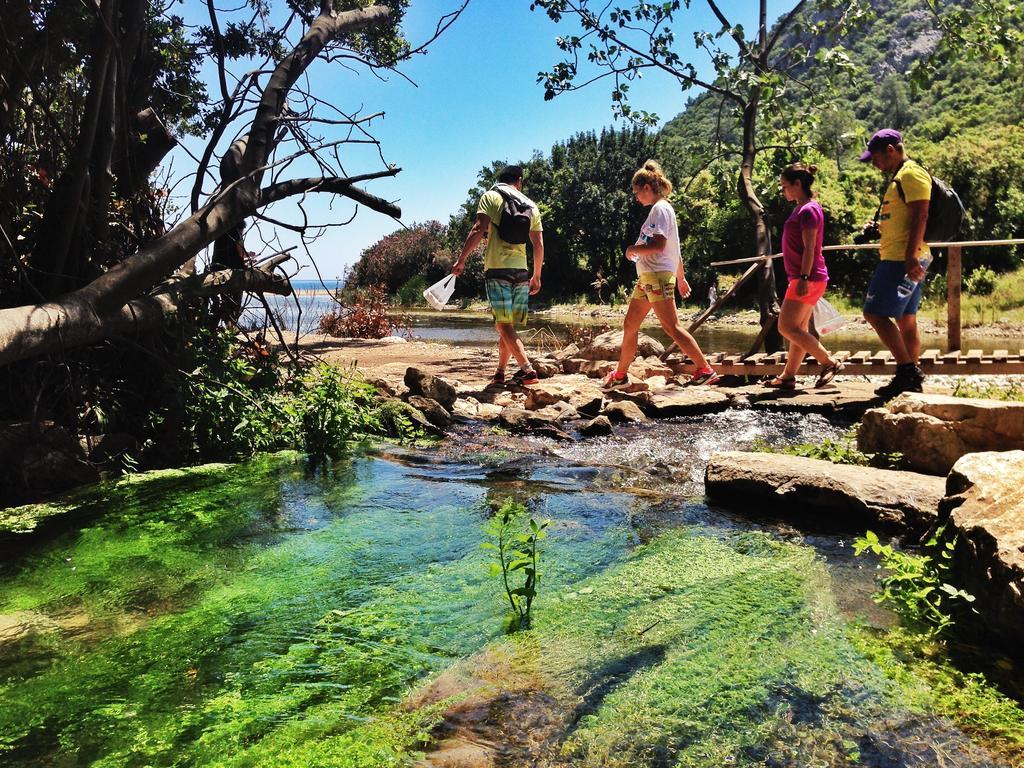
(907, 286)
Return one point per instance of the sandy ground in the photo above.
(472, 367)
(388, 359)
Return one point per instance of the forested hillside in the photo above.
(961, 118)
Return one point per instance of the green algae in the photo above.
(275, 615)
(268, 635)
(704, 651)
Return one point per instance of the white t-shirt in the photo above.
(660, 221)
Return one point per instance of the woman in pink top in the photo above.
(808, 277)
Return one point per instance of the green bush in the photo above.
(411, 292)
(981, 282)
(240, 398)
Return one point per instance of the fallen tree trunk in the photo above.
(115, 300)
(73, 322)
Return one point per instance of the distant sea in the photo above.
(314, 285)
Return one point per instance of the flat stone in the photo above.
(580, 392)
(547, 368)
(851, 496)
(572, 365)
(685, 401)
(933, 431)
(596, 427)
(607, 346)
(650, 366)
(520, 420)
(851, 399)
(625, 411)
(567, 352)
(428, 385)
(560, 411)
(597, 368)
(984, 508)
(434, 412)
(488, 411)
(656, 383)
(467, 408)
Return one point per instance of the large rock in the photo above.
(434, 412)
(648, 367)
(933, 431)
(624, 410)
(596, 427)
(428, 385)
(849, 496)
(565, 353)
(686, 401)
(852, 399)
(984, 508)
(608, 345)
(580, 392)
(519, 420)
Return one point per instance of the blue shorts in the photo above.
(882, 298)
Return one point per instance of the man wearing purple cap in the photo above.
(903, 215)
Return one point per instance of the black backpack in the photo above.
(516, 215)
(945, 212)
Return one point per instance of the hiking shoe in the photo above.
(497, 380)
(901, 382)
(613, 381)
(523, 378)
(705, 376)
(827, 374)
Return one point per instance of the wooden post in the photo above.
(953, 273)
(699, 321)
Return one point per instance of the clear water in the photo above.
(277, 614)
(474, 329)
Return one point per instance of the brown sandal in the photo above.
(781, 382)
(829, 373)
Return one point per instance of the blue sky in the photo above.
(475, 100)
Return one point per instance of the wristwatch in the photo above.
(805, 277)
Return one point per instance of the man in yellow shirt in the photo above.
(509, 285)
(901, 225)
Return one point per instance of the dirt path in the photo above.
(388, 359)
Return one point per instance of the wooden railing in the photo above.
(954, 275)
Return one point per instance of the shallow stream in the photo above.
(280, 614)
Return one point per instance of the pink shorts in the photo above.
(815, 290)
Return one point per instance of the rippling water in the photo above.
(276, 614)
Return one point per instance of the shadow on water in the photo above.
(279, 613)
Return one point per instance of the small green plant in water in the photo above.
(513, 539)
(838, 451)
(916, 585)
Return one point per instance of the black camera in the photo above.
(868, 234)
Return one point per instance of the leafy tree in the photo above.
(750, 83)
(420, 250)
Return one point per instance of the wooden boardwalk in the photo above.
(933, 363)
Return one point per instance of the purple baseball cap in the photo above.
(881, 139)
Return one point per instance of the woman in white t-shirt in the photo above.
(659, 270)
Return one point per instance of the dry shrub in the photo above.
(366, 316)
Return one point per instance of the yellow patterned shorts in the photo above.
(655, 286)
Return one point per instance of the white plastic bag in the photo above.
(438, 294)
(826, 318)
